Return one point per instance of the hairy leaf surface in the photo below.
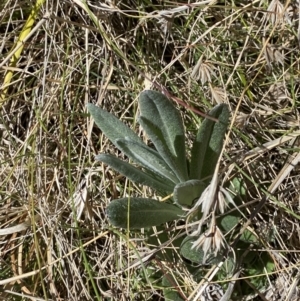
(135, 174)
(164, 121)
(143, 213)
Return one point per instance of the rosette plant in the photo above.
(189, 177)
(164, 168)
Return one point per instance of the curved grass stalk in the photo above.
(15, 54)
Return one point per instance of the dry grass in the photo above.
(246, 55)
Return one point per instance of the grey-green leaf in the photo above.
(146, 157)
(208, 144)
(229, 221)
(110, 125)
(196, 255)
(249, 237)
(161, 113)
(143, 213)
(185, 193)
(157, 137)
(137, 175)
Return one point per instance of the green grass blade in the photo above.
(208, 144)
(135, 174)
(143, 213)
(158, 110)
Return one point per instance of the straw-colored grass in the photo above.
(55, 239)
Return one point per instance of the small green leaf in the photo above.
(208, 144)
(229, 221)
(170, 294)
(143, 213)
(262, 264)
(196, 255)
(185, 193)
(162, 115)
(227, 268)
(249, 237)
(110, 125)
(237, 186)
(137, 175)
(147, 157)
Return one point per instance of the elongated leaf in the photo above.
(143, 213)
(135, 174)
(157, 137)
(147, 157)
(208, 144)
(110, 125)
(185, 193)
(160, 112)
